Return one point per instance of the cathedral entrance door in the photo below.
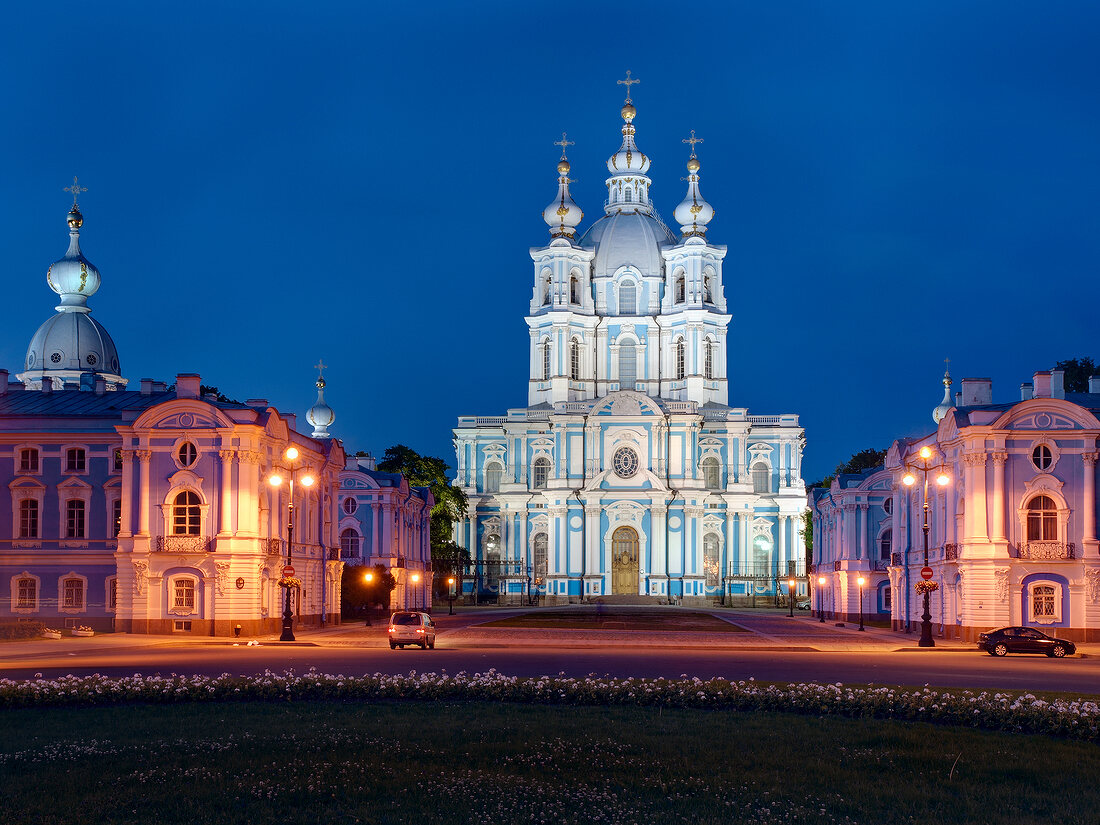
(624, 562)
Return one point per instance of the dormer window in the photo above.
(28, 460)
(76, 460)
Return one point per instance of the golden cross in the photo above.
(76, 189)
(563, 143)
(692, 140)
(320, 367)
(947, 367)
(628, 83)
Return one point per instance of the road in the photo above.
(917, 668)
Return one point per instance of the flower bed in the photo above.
(1077, 719)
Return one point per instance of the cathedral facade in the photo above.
(628, 474)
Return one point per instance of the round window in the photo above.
(888, 505)
(56, 357)
(625, 462)
(188, 454)
(91, 359)
(350, 505)
(1041, 457)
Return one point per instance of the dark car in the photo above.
(1023, 640)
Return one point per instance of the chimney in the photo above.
(160, 386)
(1026, 391)
(958, 399)
(1057, 384)
(256, 403)
(3, 382)
(977, 392)
(187, 385)
(1094, 384)
(1042, 384)
(100, 385)
(146, 386)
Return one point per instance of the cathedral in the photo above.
(628, 476)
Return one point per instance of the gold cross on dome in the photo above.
(628, 83)
(320, 367)
(563, 143)
(76, 189)
(692, 140)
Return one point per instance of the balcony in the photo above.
(183, 544)
(1047, 550)
(951, 552)
(273, 547)
(880, 564)
(895, 559)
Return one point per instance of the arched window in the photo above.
(628, 298)
(681, 289)
(74, 519)
(539, 553)
(28, 518)
(706, 290)
(546, 291)
(628, 196)
(546, 359)
(1045, 603)
(185, 514)
(712, 476)
(761, 478)
(1042, 519)
(628, 366)
(710, 559)
(540, 472)
(492, 559)
(679, 359)
(575, 360)
(574, 290)
(708, 359)
(492, 478)
(349, 544)
(884, 544)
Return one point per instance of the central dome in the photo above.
(72, 341)
(627, 239)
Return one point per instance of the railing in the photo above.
(951, 552)
(895, 559)
(688, 407)
(792, 420)
(767, 571)
(482, 420)
(1047, 550)
(880, 564)
(183, 544)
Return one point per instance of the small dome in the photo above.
(628, 112)
(320, 415)
(72, 342)
(627, 239)
(73, 277)
(944, 407)
(694, 213)
(563, 167)
(693, 165)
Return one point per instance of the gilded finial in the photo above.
(947, 372)
(692, 140)
(563, 143)
(320, 367)
(76, 189)
(628, 83)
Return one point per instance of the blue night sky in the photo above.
(270, 183)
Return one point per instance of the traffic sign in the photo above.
(926, 573)
(289, 571)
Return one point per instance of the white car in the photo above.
(411, 628)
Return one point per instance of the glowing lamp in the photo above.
(821, 580)
(368, 577)
(925, 452)
(943, 480)
(307, 481)
(909, 480)
(291, 453)
(275, 481)
(450, 581)
(861, 581)
(415, 577)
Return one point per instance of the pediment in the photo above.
(185, 414)
(1047, 414)
(627, 403)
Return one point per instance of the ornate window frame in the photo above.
(633, 281)
(492, 464)
(73, 489)
(65, 449)
(708, 462)
(195, 610)
(185, 481)
(110, 589)
(1055, 454)
(21, 489)
(72, 575)
(1043, 484)
(349, 505)
(17, 459)
(1058, 598)
(178, 444)
(16, 606)
(356, 534)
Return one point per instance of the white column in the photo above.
(225, 507)
(998, 504)
(144, 503)
(1088, 516)
(127, 526)
(863, 531)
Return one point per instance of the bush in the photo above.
(21, 629)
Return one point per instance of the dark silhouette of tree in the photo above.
(1078, 371)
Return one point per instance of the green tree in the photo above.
(357, 595)
(448, 561)
(1078, 371)
(430, 472)
(863, 460)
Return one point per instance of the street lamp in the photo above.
(451, 596)
(821, 599)
(415, 579)
(275, 480)
(942, 479)
(790, 597)
(368, 578)
(861, 581)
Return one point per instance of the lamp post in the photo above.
(790, 597)
(451, 596)
(821, 599)
(861, 581)
(942, 479)
(415, 579)
(275, 480)
(368, 578)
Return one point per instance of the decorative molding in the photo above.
(1092, 584)
(221, 576)
(1000, 579)
(141, 572)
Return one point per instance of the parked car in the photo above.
(1023, 640)
(802, 604)
(411, 628)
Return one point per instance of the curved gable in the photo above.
(627, 402)
(1047, 414)
(182, 414)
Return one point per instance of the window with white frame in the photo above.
(706, 290)
(546, 359)
(187, 454)
(628, 298)
(712, 474)
(546, 290)
(75, 521)
(574, 290)
(540, 472)
(628, 365)
(112, 593)
(76, 460)
(1044, 602)
(186, 514)
(888, 505)
(26, 593)
(710, 559)
(1042, 519)
(884, 544)
(575, 360)
(183, 595)
(72, 594)
(887, 598)
(761, 477)
(681, 289)
(28, 460)
(493, 473)
(28, 518)
(708, 359)
(1042, 457)
(349, 544)
(351, 504)
(679, 355)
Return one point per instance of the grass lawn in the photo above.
(475, 762)
(617, 618)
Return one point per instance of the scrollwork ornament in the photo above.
(1000, 578)
(1092, 584)
(141, 573)
(221, 576)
